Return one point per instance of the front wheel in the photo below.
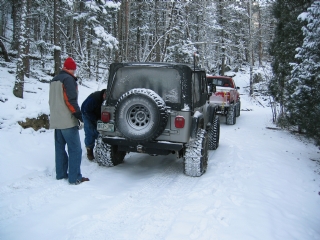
(107, 155)
(214, 134)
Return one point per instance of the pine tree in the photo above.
(305, 102)
(288, 36)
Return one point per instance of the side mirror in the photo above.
(212, 88)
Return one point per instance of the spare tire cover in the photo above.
(141, 115)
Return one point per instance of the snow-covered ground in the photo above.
(261, 184)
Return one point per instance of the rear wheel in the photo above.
(107, 155)
(238, 109)
(231, 115)
(196, 155)
(235, 114)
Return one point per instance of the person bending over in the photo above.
(91, 113)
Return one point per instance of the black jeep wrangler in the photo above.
(158, 109)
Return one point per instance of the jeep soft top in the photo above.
(168, 80)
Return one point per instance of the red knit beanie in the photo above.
(70, 64)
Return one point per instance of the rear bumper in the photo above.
(155, 147)
(223, 108)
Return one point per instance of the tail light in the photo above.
(105, 117)
(179, 122)
(227, 94)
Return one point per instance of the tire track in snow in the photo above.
(108, 224)
(163, 216)
(143, 222)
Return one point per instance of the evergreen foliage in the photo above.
(42, 33)
(304, 104)
(98, 32)
(288, 36)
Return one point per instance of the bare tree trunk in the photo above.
(16, 5)
(250, 46)
(97, 66)
(36, 28)
(70, 41)
(115, 30)
(4, 51)
(127, 23)
(203, 32)
(157, 31)
(221, 22)
(82, 31)
(56, 37)
(5, 12)
(223, 59)
(167, 41)
(119, 52)
(19, 82)
(26, 59)
(260, 37)
(89, 50)
(3, 15)
(138, 43)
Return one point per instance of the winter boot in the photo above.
(90, 154)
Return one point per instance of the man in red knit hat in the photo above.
(66, 120)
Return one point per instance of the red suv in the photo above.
(226, 96)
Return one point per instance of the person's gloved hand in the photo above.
(80, 125)
(78, 115)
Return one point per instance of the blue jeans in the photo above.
(90, 132)
(72, 160)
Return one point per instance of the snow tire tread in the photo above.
(107, 155)
(214, 134)
(196, 155)
(161, 123)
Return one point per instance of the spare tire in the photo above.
(141, 115)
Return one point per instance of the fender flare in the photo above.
(196, 124)
(212, 112)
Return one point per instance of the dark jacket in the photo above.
(91, 107)
(63, 101)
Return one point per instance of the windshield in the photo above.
(164, 81)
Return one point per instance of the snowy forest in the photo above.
(37, 35)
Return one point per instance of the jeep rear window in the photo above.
(164, 81)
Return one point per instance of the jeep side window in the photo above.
(203, 84)
(196, 84)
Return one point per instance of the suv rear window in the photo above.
(165, 82)
(220, 82)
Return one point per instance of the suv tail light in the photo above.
(227, 94)
(105, 117)
(179, 122)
